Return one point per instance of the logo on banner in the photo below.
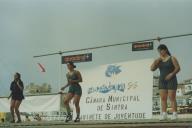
(106, 88)
(112, 70)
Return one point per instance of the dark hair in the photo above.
(19, 75)
(164, 47)
(72, 64)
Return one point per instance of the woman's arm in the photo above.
(63, 88)
(176, 65)
(155, 64)
(10, 96)
(176, 69)
(20, 84)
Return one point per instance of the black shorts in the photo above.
(75, 89)
(17, 97)
(168, 85)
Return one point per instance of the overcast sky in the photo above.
(33, 27)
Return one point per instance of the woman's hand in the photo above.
(158, 60)
(18, 83)
(63, 88)
(60, 92)
(169, 76)
(9, 96)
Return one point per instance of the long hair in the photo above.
(164, 47)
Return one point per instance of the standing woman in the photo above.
(16, 97)
(169, 67)
(73, 77)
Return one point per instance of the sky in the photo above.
(34, 27)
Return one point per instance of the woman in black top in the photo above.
(16, 97)
(169, 67)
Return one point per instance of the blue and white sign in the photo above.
(119, 91)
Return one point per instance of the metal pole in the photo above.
(112, 45)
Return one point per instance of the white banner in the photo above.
(44, 103)
(117, 91)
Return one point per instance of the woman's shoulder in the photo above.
(173, 58)
(13, 82)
